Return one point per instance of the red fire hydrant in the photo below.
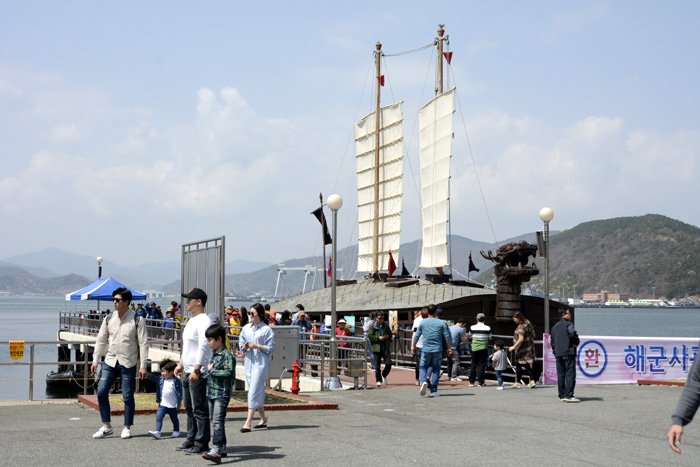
(296, 369)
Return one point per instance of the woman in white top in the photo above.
(257, 341)
(420, 316)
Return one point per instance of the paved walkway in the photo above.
(391, 426)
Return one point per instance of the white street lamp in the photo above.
(99, 275)
(335, 202)
(546, 214)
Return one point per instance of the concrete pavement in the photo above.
(613, 425)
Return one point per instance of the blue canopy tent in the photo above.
(102, 289)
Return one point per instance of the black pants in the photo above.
(416, 357)
(566, 376)
(378, 356)
(519, 368)
(480, 358)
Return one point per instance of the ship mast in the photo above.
(375, 258)
(441, 39)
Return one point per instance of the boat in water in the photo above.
(68, 379)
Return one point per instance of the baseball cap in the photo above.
(197, 294)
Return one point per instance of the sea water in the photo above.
(35, 318)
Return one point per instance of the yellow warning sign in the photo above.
(16, 350)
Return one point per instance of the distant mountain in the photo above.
(17, 281)
(636, 253)
(632, 254)
(54, 262)
(264, 281)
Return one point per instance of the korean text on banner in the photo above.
(625, 360)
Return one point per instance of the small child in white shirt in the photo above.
(168, 396)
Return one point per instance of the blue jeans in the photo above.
(430, 361)
(499, 377)
(416, 357)
(128, 376)
(217, 413)
(160, 415)
(479, 358)
(371, 355)
(566, 376)
(197, 410)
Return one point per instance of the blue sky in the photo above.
(130, 128)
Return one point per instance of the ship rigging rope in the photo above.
(476, 172)
(397, 54)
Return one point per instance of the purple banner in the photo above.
(624, 360)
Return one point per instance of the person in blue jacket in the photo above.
(168, 397)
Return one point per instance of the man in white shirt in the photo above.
(195, 357)
(124, 334)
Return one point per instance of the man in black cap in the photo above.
(193, 360)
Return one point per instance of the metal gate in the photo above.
(203, 266)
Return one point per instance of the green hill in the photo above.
(636, 253)
(17, 281)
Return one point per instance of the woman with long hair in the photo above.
(524, 347)
(257, 341)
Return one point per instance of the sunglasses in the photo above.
(118, 300)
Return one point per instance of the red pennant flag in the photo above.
(392, 264)
(330, 267)
(381, 79)
(448, 57)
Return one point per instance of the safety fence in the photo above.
(314, 348)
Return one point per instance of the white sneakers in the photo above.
(176, 434)
(379, 385)
(126, 433)
(499, 388)
(102, 432)
(423, 388)
(386, 381)
(155, 434)
(435, 394)
(531, 384)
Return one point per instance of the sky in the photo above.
(128, 129)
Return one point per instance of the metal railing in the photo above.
(315, 352)
(314, 348)
(88, 324)
(32, 363)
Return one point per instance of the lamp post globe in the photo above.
(99, 275)
(546, 214)
(335, 202)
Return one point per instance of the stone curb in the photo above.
(311, 404)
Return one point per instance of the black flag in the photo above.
(322, 219)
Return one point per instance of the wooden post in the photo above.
(441, 34)
(375, 258)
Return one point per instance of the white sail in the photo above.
(390, 185)
(435, 152)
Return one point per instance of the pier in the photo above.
(613, 425)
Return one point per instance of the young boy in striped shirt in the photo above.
(222, 375)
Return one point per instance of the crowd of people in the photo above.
(204, 377)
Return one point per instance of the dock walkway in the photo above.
(391, 426)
